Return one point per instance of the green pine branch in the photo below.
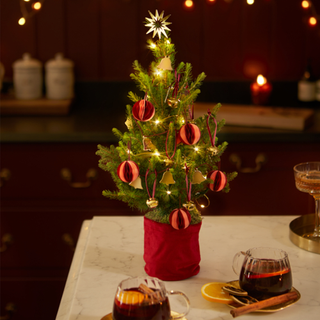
(143, 139)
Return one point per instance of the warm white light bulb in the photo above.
(152, 45)
(250, 2)
(22, 21)
(37, 5)
(312, 21)
(196, 149)
(305, 4)
(156, 153)
(168, 192)
(158, 73)
(188, 3)
(157, 122)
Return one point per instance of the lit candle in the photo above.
(260, 90)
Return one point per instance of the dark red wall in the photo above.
(228, 40)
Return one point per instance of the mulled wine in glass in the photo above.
(265, 272)
(307, 178)
(144, 298)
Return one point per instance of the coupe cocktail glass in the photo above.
(307, 177)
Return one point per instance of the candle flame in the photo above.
(261, 80)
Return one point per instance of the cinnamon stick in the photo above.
(145, 289)
(264, 303)
(153, 294)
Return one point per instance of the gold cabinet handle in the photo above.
(91, 175)
(261, 159)
(10, 308)
(67, 239)
(5, 175)
(7, 240)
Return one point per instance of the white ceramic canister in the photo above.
(306, 90)
(27, 78)
(59, 78)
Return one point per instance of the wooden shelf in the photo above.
(11, 106)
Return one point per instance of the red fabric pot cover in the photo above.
(171, 254)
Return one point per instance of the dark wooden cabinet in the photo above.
(268, 189)
(42, 213)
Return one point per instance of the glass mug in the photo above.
(264, 272)
(144, 298)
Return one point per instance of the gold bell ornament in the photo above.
(167, 178)
(213, 150)
(165, 64)
(136, 183)
(152, 203)
(173, 102)
(197, 177)
(189, 205)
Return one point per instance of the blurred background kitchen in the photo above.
(50, 180)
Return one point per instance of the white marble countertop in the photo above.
(110, 249)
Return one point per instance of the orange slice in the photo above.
(130, 297)
(213, 292)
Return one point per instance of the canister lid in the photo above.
(59, 62)
(27, 62)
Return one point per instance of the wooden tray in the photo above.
(43, 106)
(259, 116)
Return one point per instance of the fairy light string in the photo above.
(29, 9)
(313, 20)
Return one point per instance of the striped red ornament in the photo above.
(143, 110)
(219, 180)
(180, 218)
(128, 171)
(190, 133)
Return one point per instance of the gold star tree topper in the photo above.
(158, 24)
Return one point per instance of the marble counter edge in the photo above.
(71, 283)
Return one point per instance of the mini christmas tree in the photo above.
(159, 163)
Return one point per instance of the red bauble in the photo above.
(143, 110)
(190, 133)
(128, 171)
(219, 180)
(180, 218)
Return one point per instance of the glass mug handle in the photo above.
(180, 315)
(235, 264)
